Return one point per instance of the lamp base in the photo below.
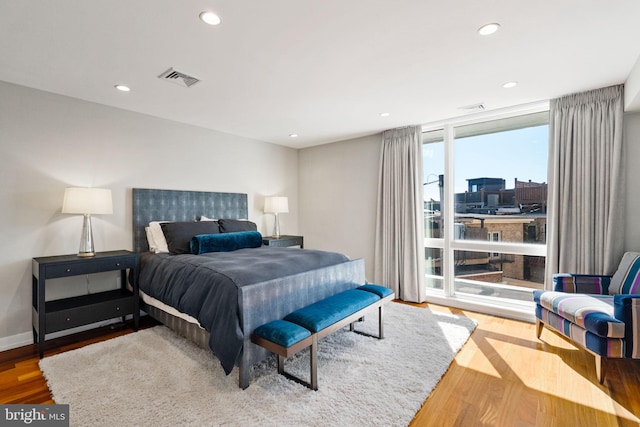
(276, 226)
(86, 239)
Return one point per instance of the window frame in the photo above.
(446, 296)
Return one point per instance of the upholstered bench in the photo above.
(304, 327)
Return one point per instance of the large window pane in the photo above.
(500, 171)
(433, 268)
(498, 275)
(433, 161)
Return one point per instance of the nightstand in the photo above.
(66, 313)
(283, 241)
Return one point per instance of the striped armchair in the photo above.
(599, 313)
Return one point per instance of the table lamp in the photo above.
(87, 201)
(276, 205)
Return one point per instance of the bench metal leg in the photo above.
(313, 366)
(281, 364)
(380, 326)
(314, 362)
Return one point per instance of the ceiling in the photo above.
(322, 69)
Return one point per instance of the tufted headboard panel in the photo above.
(175, 205)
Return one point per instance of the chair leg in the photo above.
(600, 368)
(539, 326)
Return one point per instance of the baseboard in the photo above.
(15, 341)
(502, 309)
(26, 338)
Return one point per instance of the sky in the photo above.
(520, 153)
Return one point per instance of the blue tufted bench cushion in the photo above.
(283, 333)
(324, 313)
(381, 291)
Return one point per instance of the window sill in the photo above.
(517, 310)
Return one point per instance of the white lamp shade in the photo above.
(276, 204)
(79, 200)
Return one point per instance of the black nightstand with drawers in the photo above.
(66, 313)
(283, 241)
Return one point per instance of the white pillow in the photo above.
(150, 240)
(158, 237)
(204, 218)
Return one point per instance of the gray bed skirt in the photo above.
(188, 330)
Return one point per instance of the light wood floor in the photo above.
(503, 376)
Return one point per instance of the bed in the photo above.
(281, 281)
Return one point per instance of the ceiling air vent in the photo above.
(179, 78)
(473, 108)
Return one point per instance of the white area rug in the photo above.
(156, 378)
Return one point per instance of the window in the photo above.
(485, 208)
(494, 236)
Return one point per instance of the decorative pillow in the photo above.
(160, 243)
(204, 218)
(234, 225)
(150, 240)
(626, 279)
(179, 234)
(225, 242)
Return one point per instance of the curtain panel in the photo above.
(399, 245)
(586, 183)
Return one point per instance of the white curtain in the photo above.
(399, 247)
(586, 183)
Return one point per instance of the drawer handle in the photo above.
(117, 264)
(68, 270)
(117, 308)
(68, 319)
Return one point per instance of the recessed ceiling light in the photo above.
(384, 114)
(487, 29)
(210, 18)
(293, 135)
(508, 85)
(123, 88)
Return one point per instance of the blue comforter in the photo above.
(206, 286)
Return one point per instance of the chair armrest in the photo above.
(626, 307)
(581, 283)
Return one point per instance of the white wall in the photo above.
(632, 205)
(49, 142)
(338, 186)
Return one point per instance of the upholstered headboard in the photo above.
(174, 205)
